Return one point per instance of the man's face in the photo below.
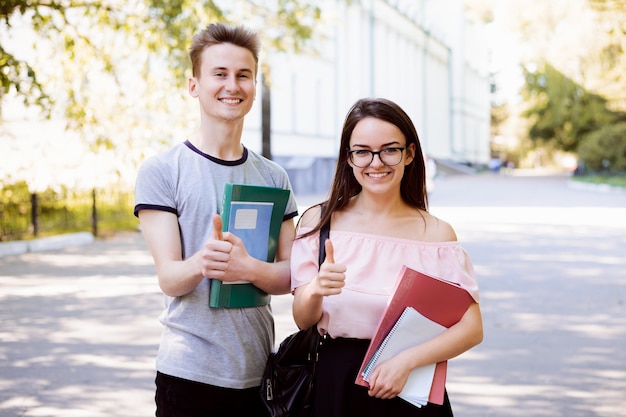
(226, 85)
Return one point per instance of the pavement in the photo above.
(79, 328)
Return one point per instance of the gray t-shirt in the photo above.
(225, 347)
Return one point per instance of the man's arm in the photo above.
(176, 276)
(222, 257)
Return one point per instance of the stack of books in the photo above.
(420, 308)
(254, 214)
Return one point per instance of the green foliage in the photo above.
(605, 149)
(117, 70)
(163, 28)
(578, 84)
(499, 115)
(561, 111)
(611, 17)
(63, 211)
(15, 206)
(21, 76)
(47, 19)
(115, 211)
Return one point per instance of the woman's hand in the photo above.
(389, 378)
(331, 277)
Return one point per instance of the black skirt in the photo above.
(336, 394)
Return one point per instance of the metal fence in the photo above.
(25, 215)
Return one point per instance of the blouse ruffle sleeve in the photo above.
(304, 259)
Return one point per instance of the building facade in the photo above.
(424, 55)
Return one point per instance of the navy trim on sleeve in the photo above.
(140, 207)
(290, 215)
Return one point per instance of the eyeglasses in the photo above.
(363, 158)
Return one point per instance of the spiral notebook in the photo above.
(410, 330)
(441, 301)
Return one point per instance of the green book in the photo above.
(254, 214)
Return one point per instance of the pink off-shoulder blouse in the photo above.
(373, 263)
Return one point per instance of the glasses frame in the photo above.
(374, 153)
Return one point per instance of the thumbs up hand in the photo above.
(331, 277)
(217, 234)
(330, 251)
(216, 254)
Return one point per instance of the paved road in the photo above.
(78, 328)
(551, 262)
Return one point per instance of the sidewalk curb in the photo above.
(45, 244)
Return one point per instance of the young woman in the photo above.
(378, 213)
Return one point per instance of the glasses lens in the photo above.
(391, 156)
(361, 158)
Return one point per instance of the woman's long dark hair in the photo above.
(345, 186)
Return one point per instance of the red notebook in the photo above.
(441, 301)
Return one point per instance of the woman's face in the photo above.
(381, 176)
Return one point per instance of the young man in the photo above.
(210, 360)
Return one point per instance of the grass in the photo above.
(612, 180)
(63, 211)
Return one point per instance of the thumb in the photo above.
(217, 228)
(330, 251)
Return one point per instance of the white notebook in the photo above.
(410, 330)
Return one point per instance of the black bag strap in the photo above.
(324, 233)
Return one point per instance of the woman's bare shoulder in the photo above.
(311, 216)
(438, 230)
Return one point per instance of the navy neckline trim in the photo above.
(244, 156)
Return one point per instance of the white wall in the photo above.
(374, 49)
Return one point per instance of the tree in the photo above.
(611, 51)
(561, 111)
(572, 54)
(288, 26)
(114, 69)
(604, 150)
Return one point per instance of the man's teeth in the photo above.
(230, 100)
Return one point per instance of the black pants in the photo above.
(176, 397)
(336, 394)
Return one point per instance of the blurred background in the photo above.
(91, 88)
